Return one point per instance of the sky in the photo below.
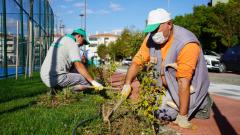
(107, 16)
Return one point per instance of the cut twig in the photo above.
(107, 88)
(109, 113)
(105, 117)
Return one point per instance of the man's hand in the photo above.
(126, 90)
(182, 121)
(96, 85)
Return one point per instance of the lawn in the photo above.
(27, 108)
(21, 111)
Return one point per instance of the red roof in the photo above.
(104, 35)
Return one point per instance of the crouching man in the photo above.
(62, 56)
(177, 57)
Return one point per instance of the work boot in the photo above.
(206, 111)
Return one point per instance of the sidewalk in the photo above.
(224, 120)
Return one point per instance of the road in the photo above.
(224, 84)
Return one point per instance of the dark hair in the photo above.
(74, 34)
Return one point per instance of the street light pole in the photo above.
(56, 24)
(168, 4)
(62, 26)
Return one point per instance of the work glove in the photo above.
(182, 121)
(126, 90)
(96, 85)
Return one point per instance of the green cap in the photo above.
(83, 33)
(151, 27)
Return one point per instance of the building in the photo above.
(11, 40)
(99, 39)
(105, 39)
(214, 2)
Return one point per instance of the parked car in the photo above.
(230, 60)
(212, 60)
(127, 62)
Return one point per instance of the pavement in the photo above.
(226, 90)
(225, 116)
(224, 119)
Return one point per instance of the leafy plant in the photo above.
(150, 93)
(104, 73)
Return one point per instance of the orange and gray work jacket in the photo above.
(199, 76)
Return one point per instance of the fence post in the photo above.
(17, 46)
(22, 46)
(31, 42)
(5, 66)
(40, 23)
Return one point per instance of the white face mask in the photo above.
(158, 38)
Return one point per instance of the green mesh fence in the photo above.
(26, 30)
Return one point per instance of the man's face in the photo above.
(165, 28)
(80, 39)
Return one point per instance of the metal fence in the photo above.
(26, 31)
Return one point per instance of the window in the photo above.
(93, 39)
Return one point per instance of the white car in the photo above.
(212, 60)
(127, 62)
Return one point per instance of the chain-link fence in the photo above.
(26, 31)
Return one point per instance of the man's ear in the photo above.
(170, 24)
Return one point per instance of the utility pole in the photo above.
(85, 27)
(85, 13)
(81, 15)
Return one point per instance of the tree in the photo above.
(126, 45)
(227, 22)
(102, 51)
(216, 27)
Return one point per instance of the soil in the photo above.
(125, 122)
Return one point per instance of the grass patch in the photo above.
(12, 89)
(17, 104)
(41, 119)
(27, 108)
